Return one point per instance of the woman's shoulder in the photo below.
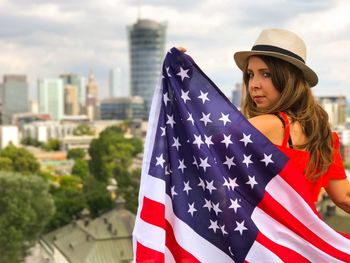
(266, 122)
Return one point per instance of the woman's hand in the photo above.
(181, 49)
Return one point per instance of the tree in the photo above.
(22, 160)
(80, 168)
(52, 145)
(111, 154)
(137, 145)
(5, 164)
(347, 166)
(83, 129)
(31, 141)
(25, 208)
(76, 153)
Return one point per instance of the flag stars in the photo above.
(216, 208)
(213, 225)
(173, 193)
(190, 118)
(201, 183)
(204, 163)
(167, 71)
(182, 165)
(203, 97)
(224, 118)
(208, 204)
(170, 120)
(183, 73)
(205, 118)
(195, 162)
(176, 143)
(163, 131)
(267, 159)
(187, 187)
(234, 205)
(198, 141)
(160, 160)
(184, 96)
(247, 160)
(227, 140)
(246, 139)
(210, 186)
(166, 98)
(208, 140)
(223, 231)
(191, 209)
(229, 162)
(240, 227)
(251, 181)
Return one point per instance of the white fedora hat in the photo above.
(282, 44)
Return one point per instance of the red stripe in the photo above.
(154, 213)
(279, 213)
(147, 255)
(284, 253)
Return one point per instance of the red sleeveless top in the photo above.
(301, 159)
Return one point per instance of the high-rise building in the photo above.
(51, 97)
(236, 95)
(146, 51)
(122, 108)
(79, 83)
(14, 96)
(335, 106)
(91, 98)
(71, 105)
(115, 84)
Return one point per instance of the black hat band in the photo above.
(276, 50)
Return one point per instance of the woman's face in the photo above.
(260, 86)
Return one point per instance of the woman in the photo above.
(278, 101)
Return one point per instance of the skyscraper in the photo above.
(91, 98)
(146, 51)
(115, 84)
(79, 83)
(14, 96)
(51, 97)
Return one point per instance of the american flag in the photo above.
(214, 189)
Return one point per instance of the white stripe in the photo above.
(196, 245)
(148, 149)
(168, 257)
(280, 190)
(259, 253)
(151, 236)
(285, 237)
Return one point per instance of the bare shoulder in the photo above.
(270, 126)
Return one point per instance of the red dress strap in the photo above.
(286, 129)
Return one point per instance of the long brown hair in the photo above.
(298, 102)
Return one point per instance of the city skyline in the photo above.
(49, 39)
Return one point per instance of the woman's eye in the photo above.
(267, 74)
(249, 75)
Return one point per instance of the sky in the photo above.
(47, 38)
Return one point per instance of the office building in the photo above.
(91, 98)
(122, 108)
(146, 51)
(116, 89)
(14, 96)
(80, 85)
(335, 106)
(236, 95)
(51, 97)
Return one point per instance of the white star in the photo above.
(222, 228)
(208, 140)
(213, 225)
(224, 118)
(195, 162)
(216, 208)
(167, 72)
(190, 118)
(204, 163)
(233, 183)
(210, 186)
(208, 204)
(187, 187)
(251, 181)
(205, 118)
(176, 143)
(183, 73)
(198, 141)
(246, 139)
(247, 160)
(240, 227)
(201, 183)
(191, 209)
(204, 97)
(182, 165)
(163, 131)
(226, 183)
(173, 193)
(166, 98)
(227, 140)
(170, 120)
(229, 162)
(167, 170)
(267, 159)
(184, 96)
(234, 205)
(160, 160)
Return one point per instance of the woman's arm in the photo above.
(339, 192)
